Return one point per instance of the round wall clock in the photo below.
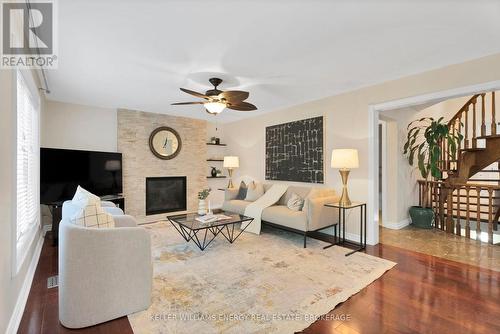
(165, 143)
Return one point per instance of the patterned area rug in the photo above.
(262, 283)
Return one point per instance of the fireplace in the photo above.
(165, 194)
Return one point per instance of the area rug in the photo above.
(263, 283)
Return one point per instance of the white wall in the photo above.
(347, 124)
(74, 126)
(11, 282)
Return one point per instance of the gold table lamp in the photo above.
(231, 162)
(345, 160)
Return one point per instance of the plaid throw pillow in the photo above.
(93, 215)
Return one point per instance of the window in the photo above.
(27, 164)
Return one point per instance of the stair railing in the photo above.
(467, 205)
(455, 200)
(472, 125)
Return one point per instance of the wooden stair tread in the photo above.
(488, 136)
(472, 149)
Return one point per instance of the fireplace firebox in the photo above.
(165, 194)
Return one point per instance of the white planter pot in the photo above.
(202, 207)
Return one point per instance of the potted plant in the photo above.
(202, 196)
(423, 149)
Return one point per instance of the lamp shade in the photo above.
(231, 162)
(113, 165)
(345, 158)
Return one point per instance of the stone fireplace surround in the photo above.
(134, 128)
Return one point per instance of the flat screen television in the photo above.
(61, 171)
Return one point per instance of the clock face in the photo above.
(165, 143)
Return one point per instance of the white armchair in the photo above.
(104, 273)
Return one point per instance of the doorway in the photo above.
(374, 146)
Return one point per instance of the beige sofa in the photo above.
(314, 215)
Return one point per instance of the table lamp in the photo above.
(231, 162)
(345, 160)
(113, 166)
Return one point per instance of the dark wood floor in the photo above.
(422, 294)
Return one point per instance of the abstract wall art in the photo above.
(294, 151)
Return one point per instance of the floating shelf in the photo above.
(216, 144)
(216, 177)
(215, 159)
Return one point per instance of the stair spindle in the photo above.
(458, 229)
(437, 222)
(449, 212)
(441, 207)
(474, 124)
(483, 116)
(490, 216)
(478, 214)
(466, 137)
(459, 130)
(467, 214)
(493, 121)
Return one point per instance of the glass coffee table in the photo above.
(202, 234)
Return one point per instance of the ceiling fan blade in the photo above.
(184, 103)
(242, 106)
(234, 96)
(203, 96)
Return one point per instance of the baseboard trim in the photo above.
(17, 314)
(397, 225)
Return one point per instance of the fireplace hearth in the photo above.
(165, 194)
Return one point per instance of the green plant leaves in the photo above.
(423, 142)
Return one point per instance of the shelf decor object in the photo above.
(345, 160)
(231, 162)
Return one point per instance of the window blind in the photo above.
(28, 151)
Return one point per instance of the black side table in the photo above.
(56, 211)
(362, 223)
(116, 199)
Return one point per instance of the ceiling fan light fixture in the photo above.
(215, 107)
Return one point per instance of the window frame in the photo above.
(21, 248)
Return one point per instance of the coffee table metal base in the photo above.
(202, 238)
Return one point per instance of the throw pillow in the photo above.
(242, 192)
(83, 197)
(255, 191)
(295, 202)
(93, 215)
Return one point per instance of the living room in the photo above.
(166, 177)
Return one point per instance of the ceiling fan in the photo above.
(216, 100)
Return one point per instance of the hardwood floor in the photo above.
(421, 294)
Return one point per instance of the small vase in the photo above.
(213, 172)
(202, 209)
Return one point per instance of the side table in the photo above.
(362, 224)
(56, 211)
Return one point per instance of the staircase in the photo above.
(468, 196)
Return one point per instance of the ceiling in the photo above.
(136, 54)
